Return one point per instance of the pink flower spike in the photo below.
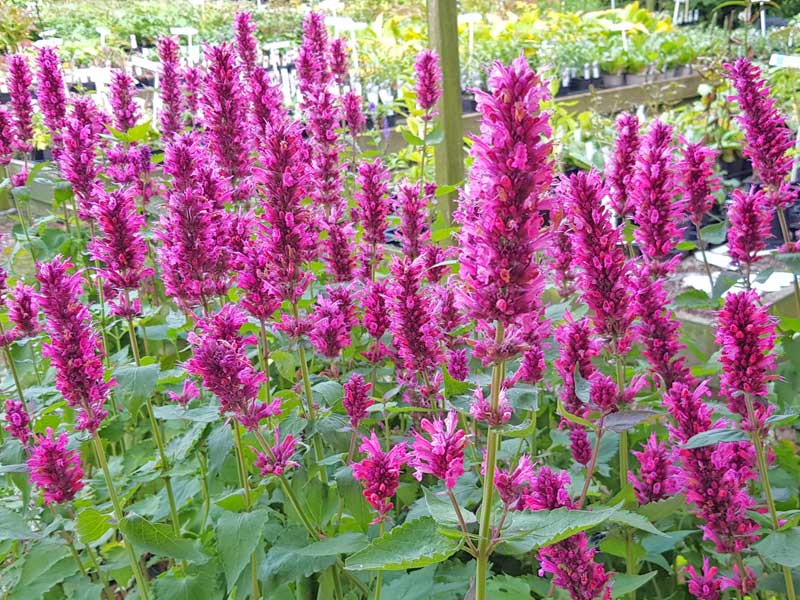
(620, 169)
(171, 95)
(428, 81)
(6, 137)
(123, 106)
(357, 399)
(279, 459)
(246, 44)
(697, 180)
(54, 469)
(51, 91)
(19, 88)
(412, 207)
(18, 421)
(379, 473)
(657, 472)
(750, 216)
(23, 310)
(481, 409)
(443, 455)
(513, 486)
(705, 585)
(188, 393)
(338, 60)
(352, 114)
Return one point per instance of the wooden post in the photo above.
(449, 155)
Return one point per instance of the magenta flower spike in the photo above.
(514, 486)
(18, 421)
(696, 178)
(481, 409)
(620, 168)
(313, 73)
(373, 206)
(340, 259)
(412, 206)
(706, 584)
(51, 91)
(323, 116)
(415, 332)
(604, 276)
(246, 44)
(768, 139)
(352, 113)
(658, 211)
(192, 88)
(284, 176)
(443, 455)
(379, 473)
(171, 95)
(357, 399)
(279, 460)
(123, 106)
(19, 88)
(562, 260)
(750, 217)
(261, 299)
(266, 104)
(746, 334)
(221, 361)
(54, 469)
(374, 300)
(74, 349)
(655, 481)
(330, 329)
(77, 158)
(571, 561)
(6, 137)
(500, 211)
(225, 116)
(338, 60)
(659, 331)
(188, 393)
(428, 81)
(23, 310)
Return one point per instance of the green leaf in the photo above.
(46, 564)
(663, 508)
(344, 543)
(198, 584)
(637, 521)
(506, 587)
(781, 547)
(417, 585)
(80, 587)
(562, 411)
(791, 261)
(330, 391)
(685, 246)
(442, 511)
(531, 530)
(91, 525)
(627, 419)
(723, 283)
(715, 234)
(13, 526)
(138, 132)
(284, 561)
(174, 412)
(409, 546)
(136, 384)
(454, 387)
(625, 584)
(159, 539)
(411, 139)
(713, 437)
(238, 534)
(782, 419)
(693, 299)
(435, 136)
(582, 387)
(284, 362)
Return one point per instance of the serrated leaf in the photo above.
(625, 584)
(13, 526)
(530, 530)
(409, 546)
(663, 508)
(80, 587)
(285, 363)
(713, 437)
(135, 384)
(330, 391)
(441, 509)
(344, 543)
(159, 539)
(91, 525)
(637, 521)
(238, 534)
(454, 387)
(781, 547)
(197, 584)
(284, 561)
(174, 412)
(45, 565)
(417, 585)
(693, 299)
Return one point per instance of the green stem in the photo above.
(173, 509)
(761, 457)
(310, 412)
(702, 245)
(100, 454)
(264, 359)
(201, 461)
(592, 462)
(624, 484)
(102, 576)
(787, 237)
(379, 578)
(492, 443)
(237, 439)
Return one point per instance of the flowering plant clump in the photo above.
(247, 357)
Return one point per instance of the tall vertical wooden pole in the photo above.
(449, 155)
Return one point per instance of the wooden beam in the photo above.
(449, 155)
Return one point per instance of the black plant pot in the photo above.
(42, 155)
(739, 168)
(635, 78)
(613, 81)
(578, 85)
(468, 103)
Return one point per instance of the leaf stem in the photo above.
(237, 439)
